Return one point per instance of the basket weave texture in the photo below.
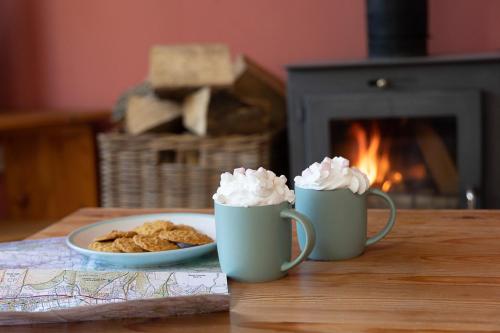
(172, 170)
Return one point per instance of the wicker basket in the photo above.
(172, 170)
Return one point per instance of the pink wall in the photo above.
(83, 53)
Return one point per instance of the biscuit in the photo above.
(103, 247)
(153, 243)
(150, 228)
(185, 236)
(183, 227)
(127, 245)
(114, 235)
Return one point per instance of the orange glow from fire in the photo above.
(373, 160)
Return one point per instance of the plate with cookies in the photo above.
(146, 240)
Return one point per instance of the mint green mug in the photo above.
(340, 221)
(255, 243)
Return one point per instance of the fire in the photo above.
(373, 160)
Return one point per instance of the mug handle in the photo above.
(392, 217)
(310, 237)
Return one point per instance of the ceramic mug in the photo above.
(255, 243)
(339, 219)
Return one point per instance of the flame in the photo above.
(396, 178)
(372, 160)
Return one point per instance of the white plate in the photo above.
(79, 239)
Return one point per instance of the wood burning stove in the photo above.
(425, 129)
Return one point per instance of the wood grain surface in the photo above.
(49, 162)
(49, 172)
(35, 119)
(438, 271)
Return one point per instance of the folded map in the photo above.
(45, 281)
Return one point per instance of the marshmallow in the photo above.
(333, 174)
(247, 187)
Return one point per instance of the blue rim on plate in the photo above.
(202, 222)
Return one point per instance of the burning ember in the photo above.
(373, 159)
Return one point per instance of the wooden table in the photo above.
(438, 271)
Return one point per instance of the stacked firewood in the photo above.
(198, 88)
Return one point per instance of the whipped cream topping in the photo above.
(333, 174)
(247, 187)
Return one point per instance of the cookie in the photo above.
(114, 235)
(185, 236)
(103, 247)
(183, 227)
(153, 243)
(127, 245)
(151, 228)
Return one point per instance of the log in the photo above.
(120, 107)
(438, 159)
(223, 113)
(195, 110)
(148, 113)
(190, 66)
(255, 82)
(229, 111)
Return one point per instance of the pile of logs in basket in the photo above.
(199, 113)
